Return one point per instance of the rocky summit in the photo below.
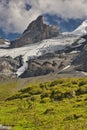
(35, 32)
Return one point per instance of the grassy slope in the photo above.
(54, 105)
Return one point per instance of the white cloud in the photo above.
(15, 18)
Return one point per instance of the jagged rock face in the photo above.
(36, 32)
(81, 61)
(8, 66)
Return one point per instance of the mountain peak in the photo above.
(82, 29)
(35, 32)
(40, 18)
(38, 22)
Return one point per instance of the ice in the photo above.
(7, 42)
(81, 30)
(22, 69)
(85, 73)
(66, 68)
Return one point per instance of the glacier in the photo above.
(33, 51)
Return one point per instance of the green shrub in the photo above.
(56, 95)
(49, 111)
(45, 94)
(82, 90)
(81, 83)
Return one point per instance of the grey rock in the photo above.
(5, 127)
(36, 69)
(80, 61)
(1, 41)
(8, 66)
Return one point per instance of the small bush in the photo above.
(49, 111)
(56, 95)
(82, 90)
(45, 94)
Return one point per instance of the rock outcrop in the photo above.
(37, 69)
(8, 66)
(80, 61)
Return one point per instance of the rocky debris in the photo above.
(35, 32)
(5, 127)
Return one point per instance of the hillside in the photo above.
(55, 105)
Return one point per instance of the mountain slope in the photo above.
(46, 56)
(54, 105)
(34, 51)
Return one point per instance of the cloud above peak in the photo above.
(15, 15)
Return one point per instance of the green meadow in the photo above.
(55, 105)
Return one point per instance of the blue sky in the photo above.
(65, 25)
(10, 36)
(16, 15)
